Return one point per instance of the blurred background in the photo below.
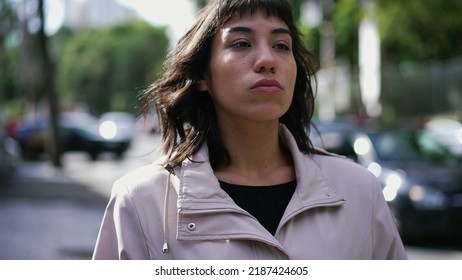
(389, 96)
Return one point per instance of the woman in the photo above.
(240, 179)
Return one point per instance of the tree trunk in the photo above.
(54, 148)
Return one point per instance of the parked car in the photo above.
(421, 180)
(78, 132)
(448, 132)
(118, 126)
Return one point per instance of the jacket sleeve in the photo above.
(386, 241)
(120, 235)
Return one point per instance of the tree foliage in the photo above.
(346, 19)
(417, 30)
(8, 21)
(409, 30)
(107, 68)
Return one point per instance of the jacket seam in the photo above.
(370, 238)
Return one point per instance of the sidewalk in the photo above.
(40, 180)
(45, 215)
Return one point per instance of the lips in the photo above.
(267, 86)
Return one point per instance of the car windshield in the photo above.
(409, 145)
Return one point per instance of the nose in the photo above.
(265, 60)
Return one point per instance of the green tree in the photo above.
(346, 19)
(417, 30)
(421, 41)
(107, 69)
(8, 22)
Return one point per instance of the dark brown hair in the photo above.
(187, 116)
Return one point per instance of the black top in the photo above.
(267, 204)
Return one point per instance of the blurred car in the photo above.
(78, 132)
(118, 126)
(421, 180)
(448, 132)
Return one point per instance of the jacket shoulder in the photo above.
(364, 201)
(340, 165)
(149, 177)
(345, 174)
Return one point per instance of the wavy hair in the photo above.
(187, 116)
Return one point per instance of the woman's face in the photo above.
(252, 69)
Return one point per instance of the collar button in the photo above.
(191, 226)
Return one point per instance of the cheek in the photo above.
(225, 69)
(225, 76)
(292, 74)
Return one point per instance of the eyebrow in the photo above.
(243, 29)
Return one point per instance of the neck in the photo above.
(257, 157)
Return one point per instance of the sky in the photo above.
(177, 14)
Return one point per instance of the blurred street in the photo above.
(55, 214)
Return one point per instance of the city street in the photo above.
(55, 214)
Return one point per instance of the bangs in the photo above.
(228, 9)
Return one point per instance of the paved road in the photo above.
(48, 219)
(55, 214)
(52, 214)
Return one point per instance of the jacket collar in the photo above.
(200, 193)
(313, 188)
(200, 190)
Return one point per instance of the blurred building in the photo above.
(80, 14)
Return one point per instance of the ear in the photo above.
(202, 85)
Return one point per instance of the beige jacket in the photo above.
(337, 212)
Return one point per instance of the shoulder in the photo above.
(341, 165)
(146, 179)
(345, 174)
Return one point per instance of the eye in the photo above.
(282, 47)
(240, 45)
